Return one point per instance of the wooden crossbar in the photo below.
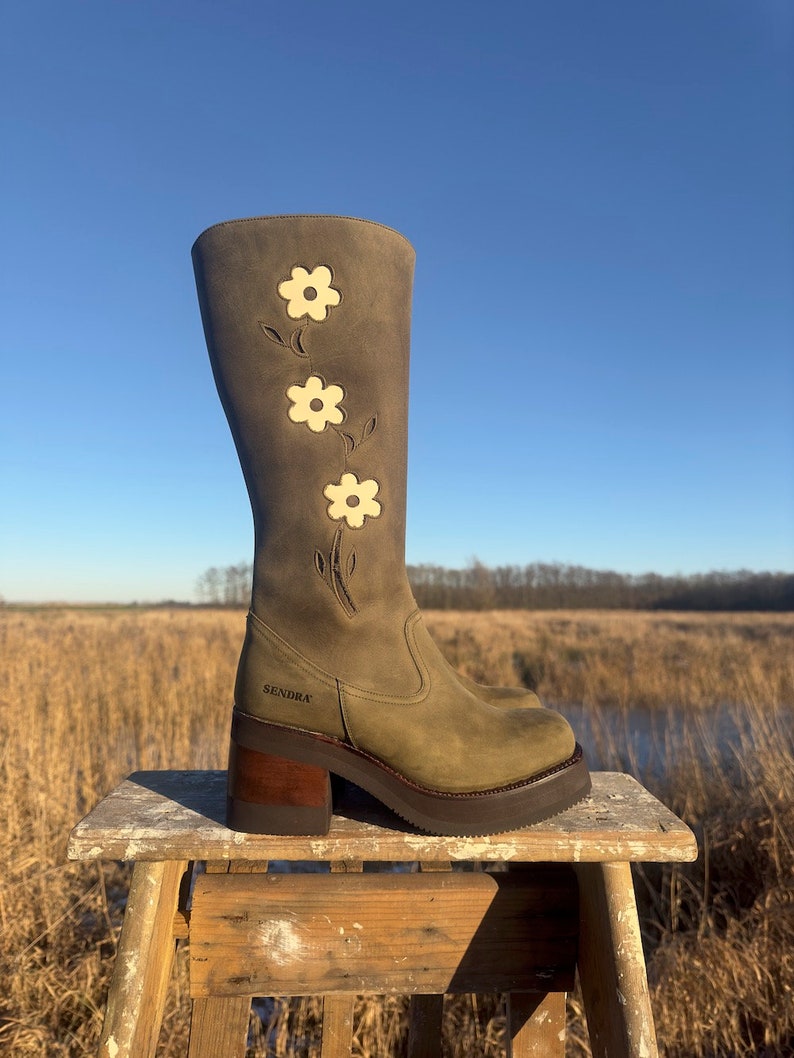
(430, 933)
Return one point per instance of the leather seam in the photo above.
(348, 690)
(351, 691)
(289, 654)
(304, 216)
(343, 714)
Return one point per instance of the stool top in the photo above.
(175, 815)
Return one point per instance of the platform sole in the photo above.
(279, 783)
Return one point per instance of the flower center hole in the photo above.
(309, 294)
(352, 501)
(316, 404)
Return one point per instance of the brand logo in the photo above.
(283, 692)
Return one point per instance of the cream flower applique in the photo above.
(316, 404)
(352, 500)
(309, 293)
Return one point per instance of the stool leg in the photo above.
(139, 984)
(612, 964)
(536, 1025)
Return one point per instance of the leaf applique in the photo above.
(296, 342)
(337, 573)
(336, 551)
(272, 334)
(349, 440)
(369, 428)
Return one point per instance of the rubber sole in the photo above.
(279, 778)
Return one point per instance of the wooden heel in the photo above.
(273, 795)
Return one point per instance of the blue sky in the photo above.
(600, 196)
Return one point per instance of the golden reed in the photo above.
(87, 696)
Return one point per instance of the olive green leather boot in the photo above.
(307, 323)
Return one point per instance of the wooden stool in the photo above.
(567, 901)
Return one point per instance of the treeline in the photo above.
(552, 586)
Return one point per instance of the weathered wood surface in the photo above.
(142, 970)
(338, 1010)
(337, 1026)
(159, 815)
(219, 1026)
(385, 933)
(612, 964)
(536, 1025)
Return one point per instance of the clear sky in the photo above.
(600, 197)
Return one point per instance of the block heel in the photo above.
(268, 794)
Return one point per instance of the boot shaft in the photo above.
(307, 321)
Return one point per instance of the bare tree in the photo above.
(225, 586)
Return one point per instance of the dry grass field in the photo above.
(88, 696)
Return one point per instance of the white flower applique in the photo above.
(353, 500)
(309, 293)
(316, 404)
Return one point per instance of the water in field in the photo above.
(649, 742)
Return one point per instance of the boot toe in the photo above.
(538, 741)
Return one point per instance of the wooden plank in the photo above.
(337, 1026)
(142, 969)
(383, 933)
(248, 867)
(612, 965)
(180, 815)
(347, 866)
(219, 1026)
(426, 1012)
(180, 929)
(337, 1036)
(425, 1018)
(536, 1025)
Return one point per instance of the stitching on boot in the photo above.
(300, 216)
(352, 691)
(343, 713)
(289, 654)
